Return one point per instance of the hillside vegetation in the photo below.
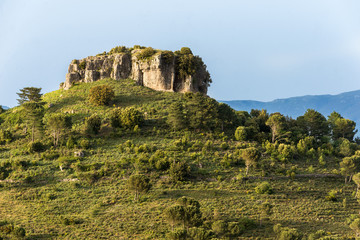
(161, 165)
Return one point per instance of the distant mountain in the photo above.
(5, 107)
(347, 104)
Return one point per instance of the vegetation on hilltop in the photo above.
(157, 165)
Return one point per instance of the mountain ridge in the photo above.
(343, 103)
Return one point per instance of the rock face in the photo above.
(160, 71)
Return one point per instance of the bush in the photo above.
(219, 227)
(82, 65)
(93, 124)
(84, 143)
(130, 117)
(332, 196)
(146, 53)
(5, 136)
(36, 146)
(139, 184)
(179, 171)
(235, 228)
(19, 232)
(177, 234)
(241, 134)
(101, 95)
(119, 49)
(70, 144)
(264, 188)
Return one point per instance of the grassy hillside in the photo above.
(88, 197)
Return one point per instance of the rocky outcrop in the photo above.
(161, 71)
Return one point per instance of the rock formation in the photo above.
(160, 70)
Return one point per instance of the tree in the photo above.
(314, 124)
(34, 113)
(276, 122)
(186, 212)
(241, 133)
(176, 118)
(344, 128)
(250, 155)
(266, 209)
(356, 179)
(58, 124)
(29, 94)
(139, 184)
(347, 168)
(101, 95)
(202, 113)
(355, 226)
(227, 116)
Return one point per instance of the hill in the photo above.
(344, 103)
(4, 107)
(81, 188)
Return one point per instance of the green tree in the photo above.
(344, 128)
(227, 116)
(58, 124)
(187, 213)
(356, 179)
(101, 95)
(241, 133)
(314, 124)
(202, 111)
(139, 184)
(177, 118)
(34, 113)
(355, 226)
(251, 156)
(276, 122)
(347, 168)
(29, 94)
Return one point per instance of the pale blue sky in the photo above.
(254, 49)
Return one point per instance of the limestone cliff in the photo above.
(178, 71)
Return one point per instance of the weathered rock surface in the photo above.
(159, 72)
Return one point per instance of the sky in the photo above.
(254, 49)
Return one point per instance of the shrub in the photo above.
(101, 95)
(5, 136)
(235, 228)
(264, 188)
(36, 146)
(93, 124)
(70, 143)
(241, 134)
(332, 196)
(50, 155)
(146, 53)
(219, 227)
(130, 117)
(19, 232)
(179, 171)
(84, 143)
(139, 184)
(177, 234)
(82, 65)
(119, 49)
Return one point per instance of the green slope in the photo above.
(89, 198)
